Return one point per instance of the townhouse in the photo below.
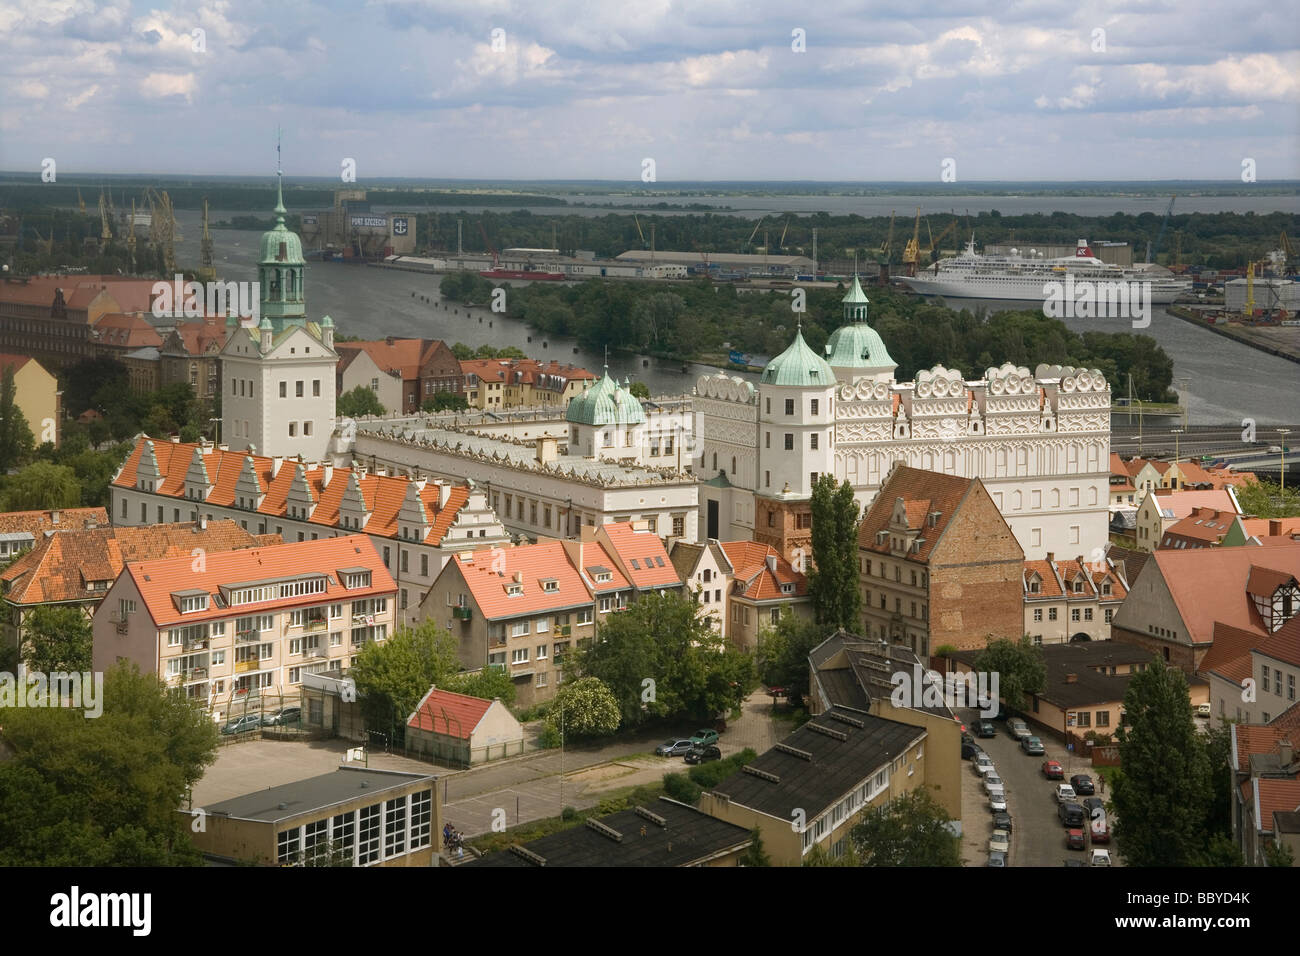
(1185, 601)
(706, 575)
(20, 530)
(497, 384)
(522, 609)
(1072, 600)
(76, 567)
(416, 524)
(1240, 656)
(237, 626)
(37, 395)
(763, 586)
(358, 369)
(938, 564)
(50, 317)
(1161, 510)
(1266, 787)
(425, 367)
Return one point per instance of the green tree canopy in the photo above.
(1164, 793)
(360, 401)
(16, 439)
(1020, 668)
(489, 683)
(57, 638)
(445, 402)
(913, 830)
(660, 660)
(40, 486)
(783, 650)
(393, 675)
(1267, 499)
(833, 579)
(584, 708)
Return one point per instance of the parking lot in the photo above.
(1037, 836)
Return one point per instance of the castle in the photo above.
(1040, 442)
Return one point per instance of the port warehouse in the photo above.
(628, 265)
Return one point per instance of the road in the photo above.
(1038, 837)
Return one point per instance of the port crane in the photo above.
(207, 270)
(885, 251)
(106, 231)
(933, 251)
(912, 251)
(1163, 226)
(496, 259)
(1289, 267)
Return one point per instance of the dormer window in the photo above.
(514, 589)
(1105, 588)
(1035, 586)
(190, 601)
(787, 588)
(1078, 586)
(604, 577)
(356, 578)
(550, 585)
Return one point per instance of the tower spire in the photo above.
(279, 182)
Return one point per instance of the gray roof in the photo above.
(681, 836)
(835, 766)
(315, 793)
(1089, 687)
(866, 672)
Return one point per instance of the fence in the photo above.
(452, 753)
(1100, 754)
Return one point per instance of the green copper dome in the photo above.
(606, 403)
(798, 366)
(858, 346)
(279, 245)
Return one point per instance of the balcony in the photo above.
(564, 630)
(197, 645)
(119, 621)
(244, 666)
(462, 613)
(317, 625)
(497, 667)
(247, 637)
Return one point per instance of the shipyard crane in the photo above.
(781, 243)
(750, 242)
(207, 270)
(496, 261)
(1289, 267)
(106, 232)
(885, 251)
(912, 250)
(81, 203)
(1163, 226)
(638, 230)
(130, 236)
(934, 242)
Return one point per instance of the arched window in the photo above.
(733, 464)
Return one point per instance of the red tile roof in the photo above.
(1204, 527)
(1284, 644)
(489, 573)
(383, 494)
(159, 579)
(200, 336)
(643, 556)
(61, 567)
(1208, 585)
(918, 489)
(447, 713)
(36, 523)
(1270, 527)
(1263, 581)
(528, 370)
(1276, 795)
(1182, 503)
(1229, 656)
(753, 574)
(127, 331)
(407, 356)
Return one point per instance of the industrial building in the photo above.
(744, 263)
(352, 229)
(1269, 294)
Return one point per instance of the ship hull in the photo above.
(523, 274)
(1017, 288)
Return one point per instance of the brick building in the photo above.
(426, 366)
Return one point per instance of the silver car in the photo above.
(983, 764)
(678, 747)
(1017, 728)
(992, 782)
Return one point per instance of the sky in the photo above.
(720, 90)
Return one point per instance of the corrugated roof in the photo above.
(448, 713)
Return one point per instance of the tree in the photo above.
(783, 650)
(16, 439)
(833, 578)
(1278, 854)
(913, 830)
(392, 676)
(360, 401)
(40, 486)
(639, 390)
(57, 638)
(755, 855)
(103, 792)
(445, 402)
(1020, 668)
(489, 683)
(1162, 796)
(1266, 499)
(584, 708)
(660, 660)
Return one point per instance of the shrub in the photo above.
(569, 813)
(681, 788)
(709, 775)
(549, 738)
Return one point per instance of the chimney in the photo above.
(1274, 527)
(276, 462)
(203, 522)
(54, 517)
(1072, 678)
(1051, 557)
(547, 450)
(519, 577)
(1286, 753)
(223, 448)
(389, 341)
(328, 471)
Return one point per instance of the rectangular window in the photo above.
(287, 845)
(395, 827)
(789, 441)
(812, 439)
(421, 815)
(584, 615)
(1038, 614)
(315, 388)
(284, 386)
(369, 836)
(1051, 614)
(814, 406)
(424, 565)
(789, 406)
(519, 629)
(519, 655)
(540, 653)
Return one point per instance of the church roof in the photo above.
(798, 366)
(606, 403)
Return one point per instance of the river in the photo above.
(1222, 381)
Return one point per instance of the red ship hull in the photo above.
(523, 274)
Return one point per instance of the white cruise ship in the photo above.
(1019, 278)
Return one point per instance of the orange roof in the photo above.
(1250, 739)
(407, 356)
(383, 494)
(125, 331)
(1067, 571)
(1267, 527)
(37, 523)
(1205, 526)
(759, 579)
(1284, 643)
(130, 294)
(1194, 473)
(1117, 465)
(596, 560)
(522, 370)
(1263, 582)
(1208, 585)
(1276, 795)
(918, 489)
(62, 566)
(490, 573)
(159, 579)
(201, 336)
(1229, 656)
(447, 713)
(1049, 587)
(643, 556)
(1182, 503)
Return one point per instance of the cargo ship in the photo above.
(532, 275)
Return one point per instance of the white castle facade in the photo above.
(1039, 442)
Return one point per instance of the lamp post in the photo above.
(217, 430)
(1281, 476)
(1176, 432)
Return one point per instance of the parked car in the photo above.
(1071, 814)
(997, 799)
(983, 764)
(1082, 784)
(1099, 829)
(1065, 793)
(674, 748)
(283, 717)
(1017, 728)
(985, 729)
(992, 782)
(969, 749)
(703, 754)
(1002, 821)
(1053, 770)
(1074, 839)
(704, 738)
(997, 858)
(1203, 710)
(244, 724)
(1093, 804)
(1000, 841)
(1032, 746)
(1101, 857)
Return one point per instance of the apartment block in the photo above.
(242, 624)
